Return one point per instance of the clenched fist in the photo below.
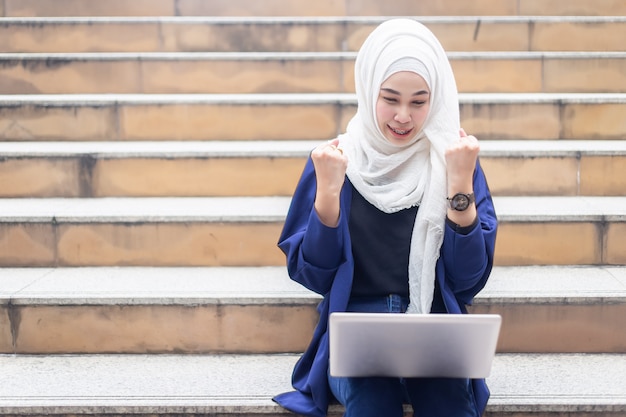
(461, 159)
(330, 170)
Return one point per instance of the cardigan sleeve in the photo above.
(468, 256)
(313, 250)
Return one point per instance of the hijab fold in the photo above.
(393, 177)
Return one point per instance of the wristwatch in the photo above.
(460, 201)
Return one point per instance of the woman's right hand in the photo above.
(330, 170)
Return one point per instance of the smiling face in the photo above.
(402, 106)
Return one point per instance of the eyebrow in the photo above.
(392, 91)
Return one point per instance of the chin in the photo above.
(399, 141)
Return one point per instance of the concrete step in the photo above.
(303, 34)
(289, 72)
(287, 116)
(261, 168)
(318, 8)
(522, 385)
(242, 231)
(260, 310)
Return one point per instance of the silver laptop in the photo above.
(412, 345)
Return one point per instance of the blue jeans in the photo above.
(383, 396)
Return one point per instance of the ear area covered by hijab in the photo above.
(393, 177)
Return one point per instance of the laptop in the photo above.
(412, 345)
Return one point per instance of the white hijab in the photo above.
(393, 177)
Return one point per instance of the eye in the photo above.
(419, 102)
(390, 99)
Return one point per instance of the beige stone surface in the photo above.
(252, 328)
(170, 244)
(46, 8)
(594, 121)
(175, 76)
(482, 36)
(549, 244)
(497, 75)
(347, 113)
(27, 244)
(560, 328)
(356, 33)
(251, 37)
(57, 123)
(459, 36)
(572, 7)
(531, 176)
(573, 75)
(615, 250)
(6, 340)
(347, 76)
(574, 36)
(80, 37)
(264, 8)
(196, 177)
(603, 175)
(40, 177)
(242, 76)
(161, 329)
(431, 8)
(512, 121)
(228, 122)
(70, 77)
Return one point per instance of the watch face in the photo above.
(460, 202)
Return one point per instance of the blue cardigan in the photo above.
(320, 258)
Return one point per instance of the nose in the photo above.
(403, 115)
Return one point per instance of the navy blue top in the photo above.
(380, 247)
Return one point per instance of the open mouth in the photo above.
(400, 132)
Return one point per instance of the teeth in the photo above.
(400, 132)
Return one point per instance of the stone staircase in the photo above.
(149, 150)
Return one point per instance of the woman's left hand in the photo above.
(461, 159)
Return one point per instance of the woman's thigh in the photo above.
(369, 397)
(441, 397)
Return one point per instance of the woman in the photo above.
(395, 215)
